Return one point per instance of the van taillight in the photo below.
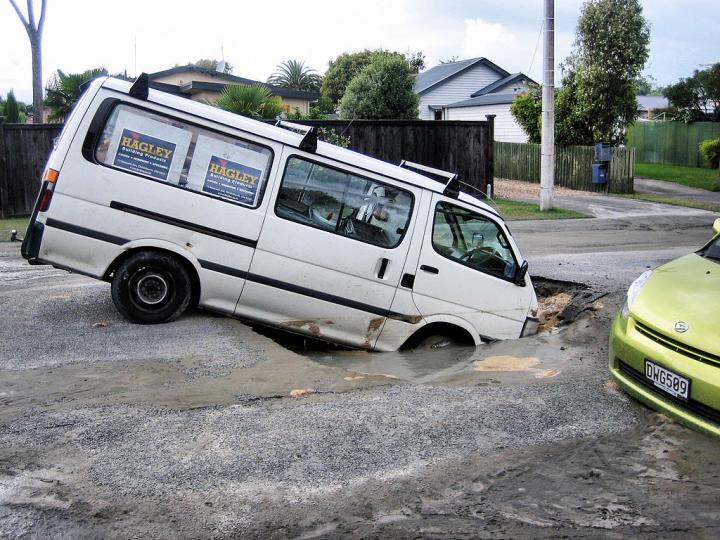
(45, 197)
(48, 186)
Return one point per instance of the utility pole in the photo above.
(547, 151)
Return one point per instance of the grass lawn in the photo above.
(517, 210)
(687, 176)
(7, 225)
(677, 201)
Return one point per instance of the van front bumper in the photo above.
(628, 351)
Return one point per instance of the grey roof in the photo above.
(223, 80)
(502, 83)
(647, 103)
(488, 99)
(198, 86)
(442, 73)
(196, 69)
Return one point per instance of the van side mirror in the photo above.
(716, 226)
(520, 273)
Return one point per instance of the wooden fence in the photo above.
(457, 146)
(673, 143)
(573, 166)
(24, 149)
(462, 147)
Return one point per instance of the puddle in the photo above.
(559, 302)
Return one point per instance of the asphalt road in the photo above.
(190, 429)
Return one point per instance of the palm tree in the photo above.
(255, 101)
(64, 90)
(293, 74)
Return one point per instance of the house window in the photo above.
(438, 115)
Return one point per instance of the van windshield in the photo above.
(712, 250)
(472, 240)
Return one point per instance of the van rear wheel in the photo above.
(150, 287)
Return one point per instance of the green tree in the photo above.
(697, 97)
(383, 90)
(296, 75)
(212, 65)
(63, 91)
(255, 101)
(345, 67)
(11, 109)
(527, 110)
(646, 85)
(598, 100)
(416, 61)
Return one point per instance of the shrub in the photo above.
(710, 151)
(254, 101)
(384, 90)
(331, 136)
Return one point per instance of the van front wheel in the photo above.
(150, 287)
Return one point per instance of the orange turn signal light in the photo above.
(51, 175)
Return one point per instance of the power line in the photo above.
(537, 44)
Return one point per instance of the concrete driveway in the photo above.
(671, 189)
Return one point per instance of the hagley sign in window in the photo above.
(184, 155)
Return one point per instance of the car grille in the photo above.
(678, 347)
(691, 406)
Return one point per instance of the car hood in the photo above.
(686, 289)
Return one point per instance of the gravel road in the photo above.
(109, 429)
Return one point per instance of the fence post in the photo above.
(490, 162)
(3, 170)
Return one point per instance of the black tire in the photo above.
(435, 342)
(151, 287)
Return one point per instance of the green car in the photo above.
(665, 342)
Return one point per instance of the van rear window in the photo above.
(184, 155)
(337, 201)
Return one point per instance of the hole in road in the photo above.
(559, 303)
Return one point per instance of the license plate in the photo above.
(666, 380)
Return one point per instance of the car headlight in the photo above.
(634, 290)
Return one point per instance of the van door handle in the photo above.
(383, 267)
(429, 269)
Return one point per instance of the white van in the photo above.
(179, 204)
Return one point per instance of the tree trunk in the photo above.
(35, 48)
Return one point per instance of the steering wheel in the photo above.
(485, 250)
(485, 257)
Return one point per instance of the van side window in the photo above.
(343, 203)
(183, 155)
(473, 240)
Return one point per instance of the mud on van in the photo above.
(177, 204)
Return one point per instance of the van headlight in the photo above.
(633, 292)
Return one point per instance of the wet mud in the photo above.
(210, 428)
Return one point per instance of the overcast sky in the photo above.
(256, 36)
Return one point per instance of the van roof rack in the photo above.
(451, 181)
(309, 140)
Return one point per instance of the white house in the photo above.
(471, 90)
